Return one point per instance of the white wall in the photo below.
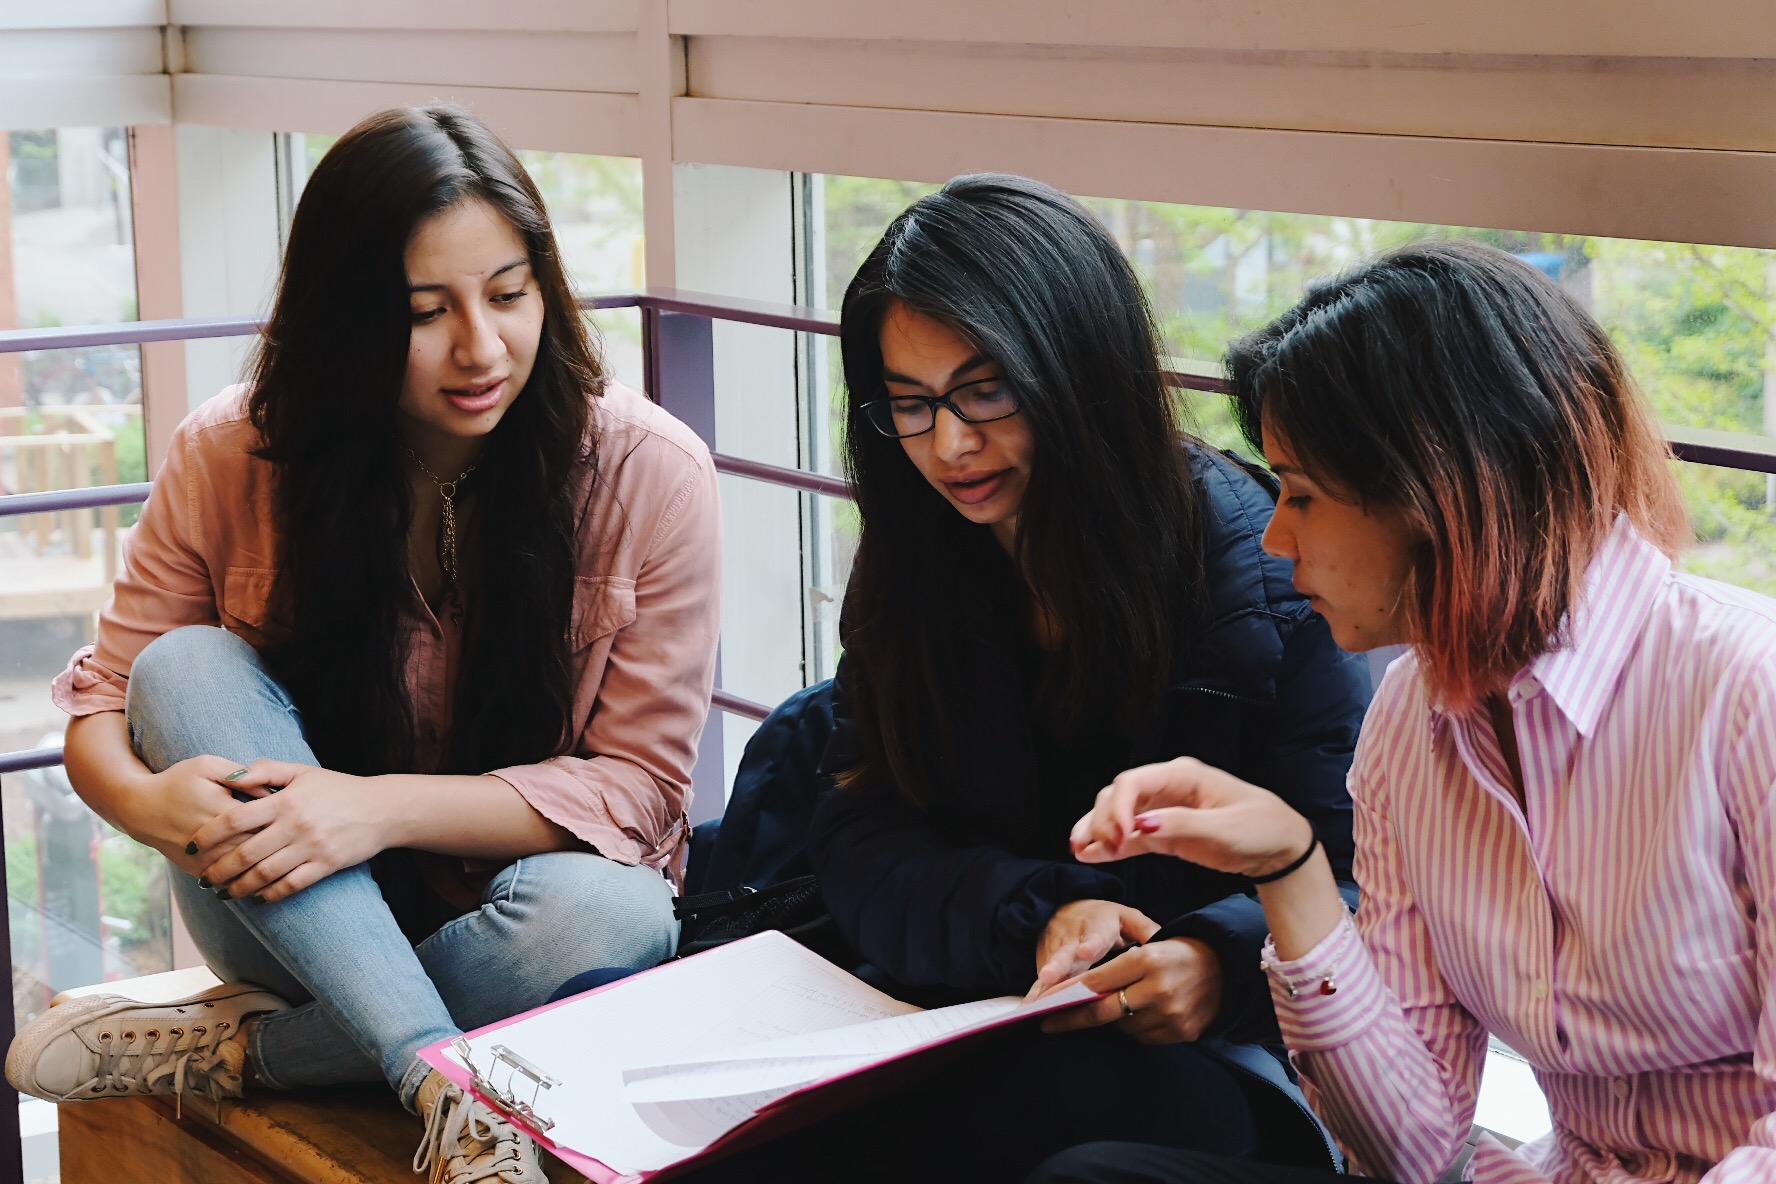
(228, 243)
(733, 237)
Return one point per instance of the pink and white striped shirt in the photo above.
(1618, 932)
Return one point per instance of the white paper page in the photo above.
(755, 989)
(803, 1059)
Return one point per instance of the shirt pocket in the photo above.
(602, 605)
(245, 607)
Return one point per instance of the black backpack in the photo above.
(749, 869)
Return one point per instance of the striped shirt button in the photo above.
(1621, 1088)
(1539, 988)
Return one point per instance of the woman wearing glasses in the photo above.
(1052, 585)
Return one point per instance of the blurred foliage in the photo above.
(21, 865)
(133, 880)
(1697, 324)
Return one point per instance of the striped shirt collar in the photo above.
(1620, 589)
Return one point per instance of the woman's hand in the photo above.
(1172, 990)
(317, 823)
(174, 803)
(1193, 811)
(1081, 932)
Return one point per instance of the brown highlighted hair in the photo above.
(325, 384)
(1465, 390)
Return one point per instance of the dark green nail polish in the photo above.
(258, 900)
(191, 848)
(236, 775)
(204, 882)
(222, 894)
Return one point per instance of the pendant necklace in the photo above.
(447, 534)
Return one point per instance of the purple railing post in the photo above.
(678, 354)
(12, 1148)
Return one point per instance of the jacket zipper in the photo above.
(1229, 695)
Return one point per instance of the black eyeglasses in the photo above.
(981, 401)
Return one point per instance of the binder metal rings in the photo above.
(506, 1099)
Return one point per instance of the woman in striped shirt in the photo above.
(1563, 792)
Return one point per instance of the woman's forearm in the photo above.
(1302, 907)
(473, 817)
(105, 771)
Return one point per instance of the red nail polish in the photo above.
(1146, 824)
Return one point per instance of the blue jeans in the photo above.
(367, 999)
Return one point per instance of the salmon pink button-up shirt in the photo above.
(645, 613)
(1618, 930)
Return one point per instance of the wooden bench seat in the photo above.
(348, 1135)
(358, 1135)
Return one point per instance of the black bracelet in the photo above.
(1294, 867)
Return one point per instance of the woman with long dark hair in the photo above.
(406, 667)
(1052, 584)
(1563, 791)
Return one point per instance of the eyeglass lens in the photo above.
(912, 415)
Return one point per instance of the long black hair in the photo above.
(1108, 542)
(325, 383)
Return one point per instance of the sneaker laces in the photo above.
(466, 1142)
(209, 1066)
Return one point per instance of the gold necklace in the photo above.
(447, 533)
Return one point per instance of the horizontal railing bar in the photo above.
(14, 341)
(30, 758)
(1727, 450)
(43, 758)
(801, 479)
(1735, 450)
(735, 705)
(801, 318)
(725, 308)
(1210, 383)
(73, 499)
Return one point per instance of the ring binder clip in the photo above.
(507, 1098)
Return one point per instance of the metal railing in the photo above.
(656, 305)
(675, 330)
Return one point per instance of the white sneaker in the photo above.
(107, 1046)
(465, 1142)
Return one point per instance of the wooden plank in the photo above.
(554, 121)
(1637, 102)
(348, 1135)
(40, 603)
(1642, 28)
(1668, 194)
(537, 16)
(594, 62)
(135, 1139)
(85, 101)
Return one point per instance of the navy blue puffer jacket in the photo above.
(957, 897)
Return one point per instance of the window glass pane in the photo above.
(85, 904)
(1697, 324)
(595, 206)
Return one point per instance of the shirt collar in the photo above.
(1620, 588)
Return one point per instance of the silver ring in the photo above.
(1122, 997)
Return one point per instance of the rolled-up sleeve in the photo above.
(626, 787)
(163, 584)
